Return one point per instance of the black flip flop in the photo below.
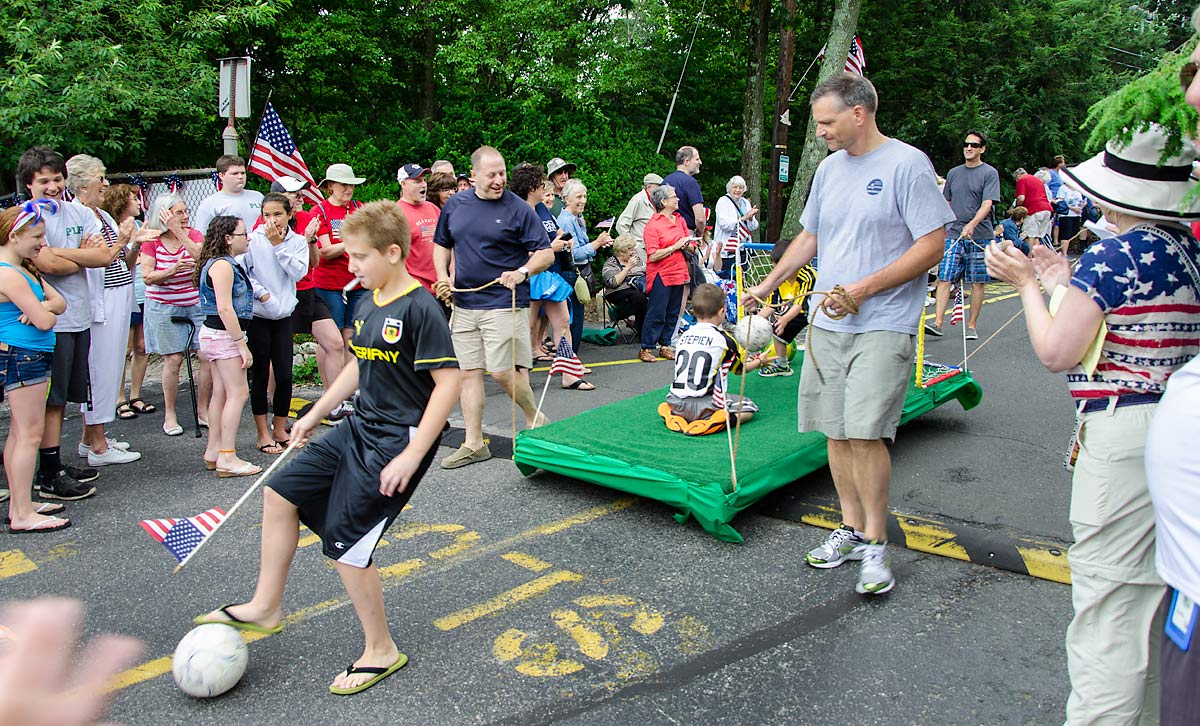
(60, 524)
(38, 509)
(580, 385)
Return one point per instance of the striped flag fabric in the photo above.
(565, 360)
(275, 155)
(956, 317)
(856, 60)
(181, 536)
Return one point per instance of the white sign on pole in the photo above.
(234, 87)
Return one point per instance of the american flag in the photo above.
(956, 317)
(181, 536)
(565, 360)
(275, 155)
(216, 179)
(174, 183)
(856, 61)
(143, 187)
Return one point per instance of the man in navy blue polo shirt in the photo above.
(494, 235)
(682, 180)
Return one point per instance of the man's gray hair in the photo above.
(658, 197)
(161, 202)
(83, 170)
(685, 154)
(850, 89)
(571, 188)
(734, 181)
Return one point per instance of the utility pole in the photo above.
(780, 160)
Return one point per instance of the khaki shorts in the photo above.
(484, 339)
(1036, 225)
(865, 382)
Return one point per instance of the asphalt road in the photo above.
(543, 599)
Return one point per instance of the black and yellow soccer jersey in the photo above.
(795, 291)
(397, 342)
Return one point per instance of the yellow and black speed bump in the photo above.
(1044, 560)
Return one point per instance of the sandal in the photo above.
(580, 385)
(544, 359)
(52, 524)
(125, 411)
(141, 406)
(246, 469)
(275, 448)
(47, 508)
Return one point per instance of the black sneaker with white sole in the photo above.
(65, 488)
(82, 474)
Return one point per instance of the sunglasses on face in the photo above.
(972, 145)
(1187, 74)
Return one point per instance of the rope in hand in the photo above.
(852, 308)
(442, 290)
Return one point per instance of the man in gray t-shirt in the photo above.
(877, 217)
(971, 189)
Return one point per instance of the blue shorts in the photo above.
(342, 311)
(963, 260)
(20, 367)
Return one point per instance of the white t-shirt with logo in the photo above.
(246, 204)
(866, 212)
(65, 229)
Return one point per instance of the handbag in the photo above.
(582, 291)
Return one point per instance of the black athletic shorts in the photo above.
(309, 309)
(69, 379)
(1179, 675)
(334, 481)
(793, 328)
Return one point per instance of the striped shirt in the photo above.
(1147, 287)
(117, 274)
(178, 288)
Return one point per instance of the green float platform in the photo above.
(625, 446)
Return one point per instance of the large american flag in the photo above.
(565, 360)
(275, 155)
(181, 536)
(856, 60)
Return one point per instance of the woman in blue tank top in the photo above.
(28, 311)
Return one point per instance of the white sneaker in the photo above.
(84, 450)
(112, 456)
(875, 577)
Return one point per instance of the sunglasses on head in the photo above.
(972, 144)
(1187, 74)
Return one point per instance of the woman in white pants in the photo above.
(111, 291)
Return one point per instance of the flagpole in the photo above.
(234, 508)
(681, 73)
(963, 297)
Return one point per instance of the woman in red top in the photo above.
(332, 275)
(666, 237)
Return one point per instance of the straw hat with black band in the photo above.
(1129, 178)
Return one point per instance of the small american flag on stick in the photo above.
(565, 360)
(956, 317)
(181, 536)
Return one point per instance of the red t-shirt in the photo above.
(422, 221)
(332, 273)
(663, 231)
(1035, 194)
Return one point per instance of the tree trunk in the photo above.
(752, 113)
(779, 132)
(428, 80)
(841, 32)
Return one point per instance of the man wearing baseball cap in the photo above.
(558, 172)
(422, 222)
(639, 210)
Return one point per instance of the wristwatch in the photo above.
(524, 271)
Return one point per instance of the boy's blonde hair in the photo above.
(708, 301)
(382, 224)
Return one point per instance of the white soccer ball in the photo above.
(753, 333)
(209, 660)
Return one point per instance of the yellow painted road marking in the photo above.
(520, 593)
(539, 660)
(14, 562)
(590, 642)
(645, 620)
(528, 562)
(410, 568)
(464, 539)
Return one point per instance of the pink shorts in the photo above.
(217, 345)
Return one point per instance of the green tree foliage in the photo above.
(124, 80)
(1155, 98)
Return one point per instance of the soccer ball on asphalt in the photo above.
(209, 660)
(753, 333)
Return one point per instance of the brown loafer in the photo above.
(666, 351)
(647, 356)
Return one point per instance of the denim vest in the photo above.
(243, 298)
